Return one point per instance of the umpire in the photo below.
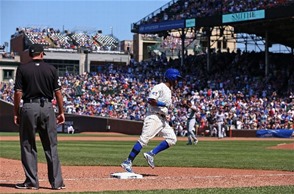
(35, 83)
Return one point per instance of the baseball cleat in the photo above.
(195, 141)
(25, 186)
(59, 188)
(150, 159)
(127, 165)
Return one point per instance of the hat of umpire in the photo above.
(36, 49)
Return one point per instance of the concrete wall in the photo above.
(103, 124)
(6, 117)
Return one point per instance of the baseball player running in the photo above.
(192, 109)
(155, 121)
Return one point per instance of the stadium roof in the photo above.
(280, 31)
(277, 26)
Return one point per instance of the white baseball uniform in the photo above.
(191, 123)
(220, 118)
(155, 122)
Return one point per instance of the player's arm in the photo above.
(17, 96)
(59, 99)
(153, 97)
(154, 102)
(17, 99)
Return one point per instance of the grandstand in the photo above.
(175, 30)
(269, 22)
(72, 52)
(257, 88)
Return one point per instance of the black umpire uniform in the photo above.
(36, 83)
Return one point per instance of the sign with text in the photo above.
(161, 26)
(190, 23)
(243, 16)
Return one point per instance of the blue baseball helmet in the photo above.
(172, 74)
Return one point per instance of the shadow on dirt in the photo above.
(149, 175)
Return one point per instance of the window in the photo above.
(7, 74)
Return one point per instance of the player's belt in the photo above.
(37, 100)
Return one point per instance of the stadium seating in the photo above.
(53, 38)
(235, 83)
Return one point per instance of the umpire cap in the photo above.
(172, 74)
(36, 49)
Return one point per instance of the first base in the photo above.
(126, 175)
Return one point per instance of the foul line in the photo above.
(167, 177)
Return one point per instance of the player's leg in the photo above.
(224, 129)
(220, 134)
(189, 133)
(127, 164)
(170, 140)
(48, 136)
(151, 126)
(192, 123)
(211, 130)
(27, 131)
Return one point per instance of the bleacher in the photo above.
(109, 42)
(54, 40)
(83, 40)
(36, 36)
(60, 40)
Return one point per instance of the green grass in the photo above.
(210, 154)
(8, 134)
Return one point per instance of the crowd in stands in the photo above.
(235, 85)
(171, 45)
(204, 8)
(36, 36)
(174, 42)
(54, 38)
(243, 6)
(4, 54)
(59, 39)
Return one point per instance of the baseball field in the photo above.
(229, 165)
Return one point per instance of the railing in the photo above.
(151, 15)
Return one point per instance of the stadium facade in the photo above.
(171, 30)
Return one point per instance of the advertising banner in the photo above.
(161, 26)
(283, 133)
(243, 16)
